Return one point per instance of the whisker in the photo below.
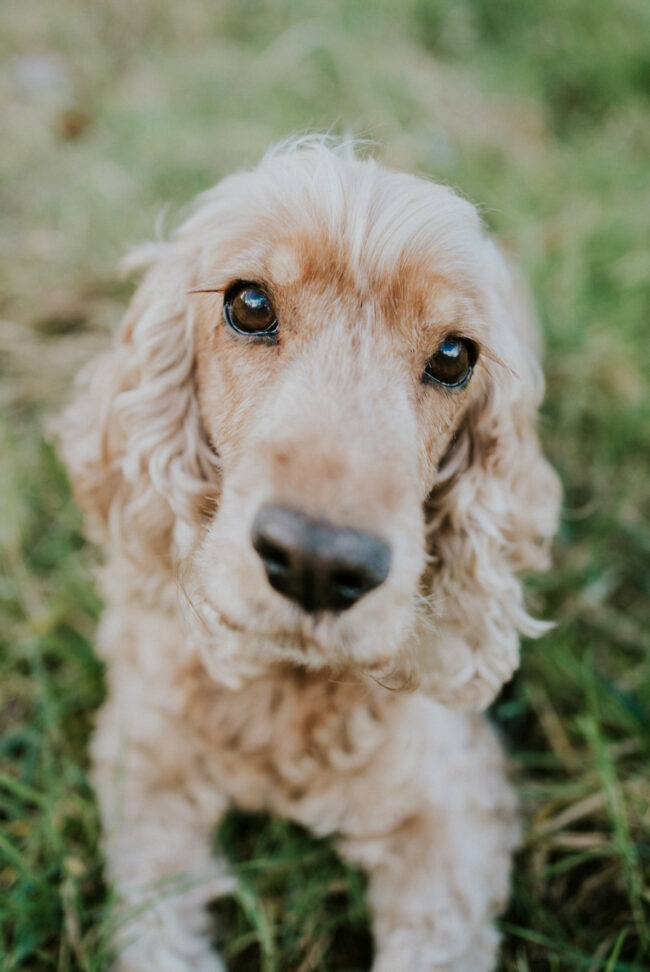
(205, 290)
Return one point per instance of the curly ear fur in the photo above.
(133, 442)
(491, 515)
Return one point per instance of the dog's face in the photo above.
(333, 370)
(359, 378)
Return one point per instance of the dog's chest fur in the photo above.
(289, 729)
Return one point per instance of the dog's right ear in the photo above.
(491, 516)
(133, 442)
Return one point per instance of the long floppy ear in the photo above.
(133, 441)
(491, 515)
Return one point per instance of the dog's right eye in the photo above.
(452, 363)
(248, 310)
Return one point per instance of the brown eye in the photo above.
(248, 310)
(452, 363)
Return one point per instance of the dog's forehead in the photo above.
(363, 223)
(310, 214)
(316, 267)
(313, 265)
(321, 232)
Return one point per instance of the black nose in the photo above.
(315, 564)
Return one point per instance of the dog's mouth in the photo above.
(303, 636)
(314, 641)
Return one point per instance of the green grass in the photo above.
(538, 111)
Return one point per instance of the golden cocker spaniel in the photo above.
(312, 461)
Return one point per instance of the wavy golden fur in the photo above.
(184, 430)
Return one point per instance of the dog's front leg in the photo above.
(159, 806)
(439, 873)
(432, 819)
(434, 892)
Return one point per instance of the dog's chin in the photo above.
(234, 653)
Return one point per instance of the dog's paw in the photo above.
(408, 950)
(168, 952)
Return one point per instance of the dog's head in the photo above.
(321, 410)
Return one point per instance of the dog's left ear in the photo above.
(138, 457)
(490, 517)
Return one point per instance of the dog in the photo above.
(311, 459)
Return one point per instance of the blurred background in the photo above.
(114, 113)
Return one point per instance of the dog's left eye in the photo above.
(452, 363)
(248, 310)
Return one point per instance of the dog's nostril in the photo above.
(275, 558)
(319, 566)
(348, 581)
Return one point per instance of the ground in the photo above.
(539, 112)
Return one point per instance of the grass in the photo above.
(540, 112)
